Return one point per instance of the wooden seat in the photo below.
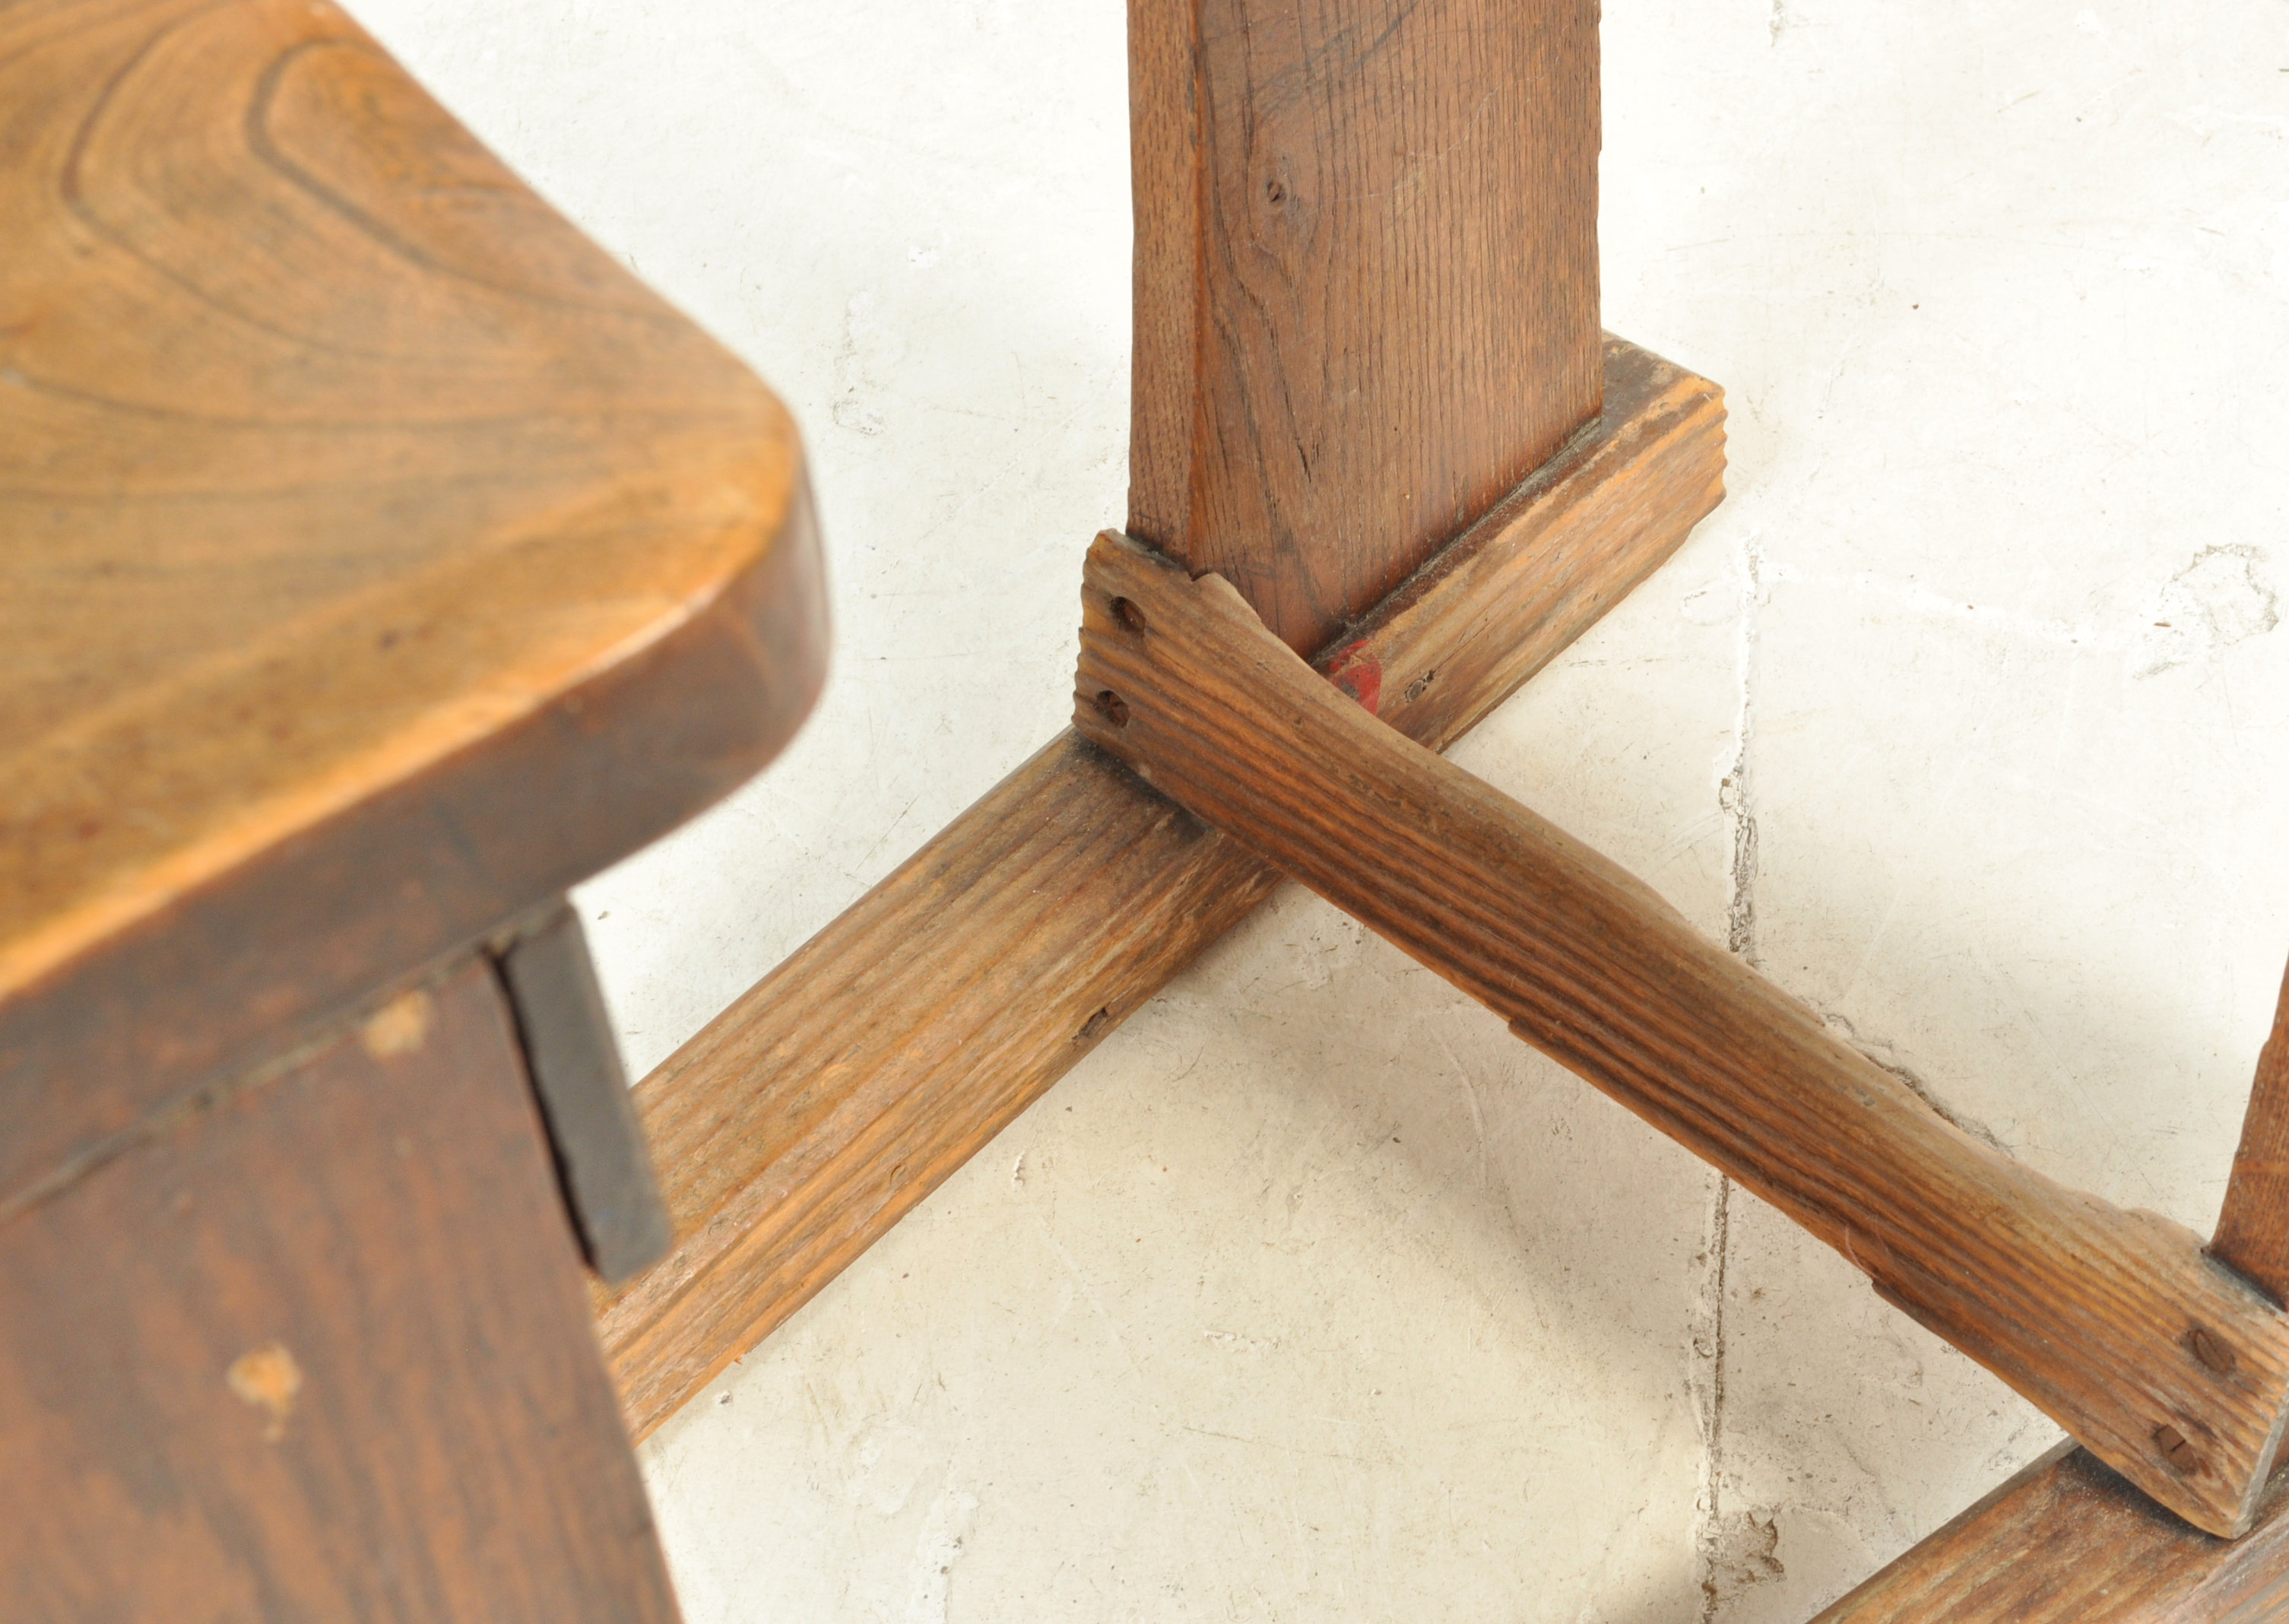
(380, 556)
(377, 559)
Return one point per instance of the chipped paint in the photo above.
(1356, 671)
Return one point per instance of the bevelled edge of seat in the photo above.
(327, 449)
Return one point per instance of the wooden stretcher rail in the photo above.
(830, 1098)
(2168, 1365)
(2066, 1542)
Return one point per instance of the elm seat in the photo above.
(377, 557)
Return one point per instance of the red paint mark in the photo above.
(1359, 674)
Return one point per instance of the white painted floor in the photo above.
(1312, 1295)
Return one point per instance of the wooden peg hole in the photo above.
(2210, 1351)
(2180, 1453)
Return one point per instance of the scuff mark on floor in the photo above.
(865, 365)
(1746, 1553)
(2216, 601)
(939, 1546)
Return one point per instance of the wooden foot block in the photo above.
(2168, 1365)
(826, 1102)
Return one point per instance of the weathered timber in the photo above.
(2066, 1542)
(2253, 1232)
(318, 1350)
(1365, 281)
(603, 1165)
(2167, 1365)
(377, 557)
(826, 1102)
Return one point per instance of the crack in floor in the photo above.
(1708, 1360)
(1737, 800)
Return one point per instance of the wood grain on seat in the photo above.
(377, 557)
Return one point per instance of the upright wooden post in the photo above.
(1367, 316)
(2253, 1232)
(1365, 281)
